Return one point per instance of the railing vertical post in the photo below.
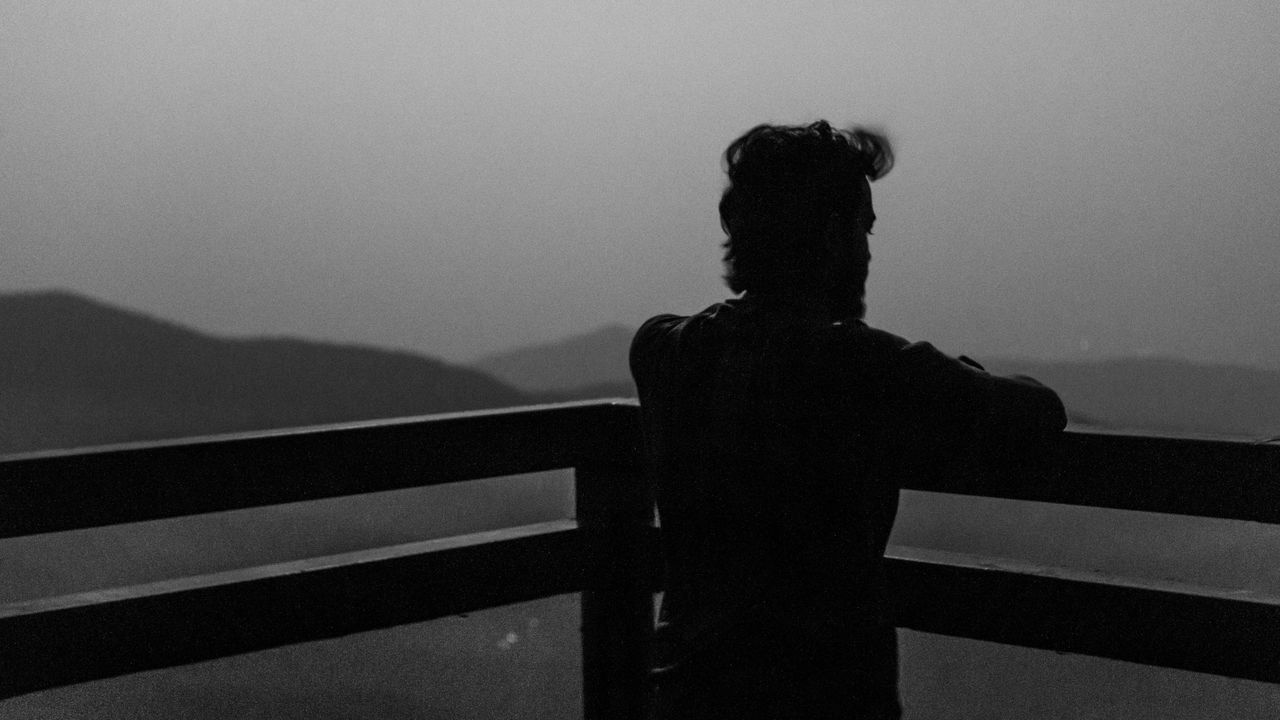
(615, 514)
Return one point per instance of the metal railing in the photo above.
(609, 553)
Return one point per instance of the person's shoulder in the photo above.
(661, 334)
(892, 353)
(670, 324)
(899, 347)
(857, 337)
(655, 328)
(658, 324)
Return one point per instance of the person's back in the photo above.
(778, 427)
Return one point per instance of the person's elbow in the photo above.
(1046, 413)
(1054, 412)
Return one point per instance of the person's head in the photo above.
(797, 211)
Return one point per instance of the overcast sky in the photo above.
(1075, 179)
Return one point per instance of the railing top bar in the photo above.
(50, 492)
(87, 487)
(1191, 439)
(619, 405)
(622, 405)
(1218, 478)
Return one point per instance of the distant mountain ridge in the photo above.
(76, 371)
(1156, 394)
(598, 358)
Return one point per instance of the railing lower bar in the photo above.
(94, 635)
(1218, 631)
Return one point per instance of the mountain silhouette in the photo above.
(1145, 394)
(597, 358)
(80, 372)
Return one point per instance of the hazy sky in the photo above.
(1075, 179)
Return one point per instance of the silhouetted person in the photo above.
(779, 427)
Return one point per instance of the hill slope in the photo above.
(596, 358)
(76, 372)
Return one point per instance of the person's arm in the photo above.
(948, 419)
(1017, 404)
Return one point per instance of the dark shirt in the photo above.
(778, 440)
